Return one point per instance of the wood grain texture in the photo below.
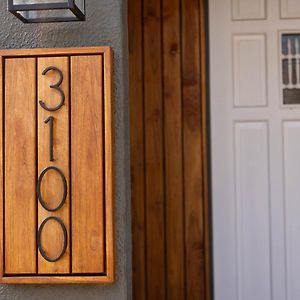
(205, 150)
(56, 279)
(52, 187)
(137, 149)
(54, 51)
(154, 152)
(87, 165)
(106, 274)
(169, 162)
(173, 150)
(109, 166)
(193, 151)
(20, 165)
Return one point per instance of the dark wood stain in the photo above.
(170, 208)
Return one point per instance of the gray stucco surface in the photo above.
(106, 25)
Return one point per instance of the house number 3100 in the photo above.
(50, 120)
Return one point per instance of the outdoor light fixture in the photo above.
(47, 11)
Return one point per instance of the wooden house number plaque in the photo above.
(56, 166)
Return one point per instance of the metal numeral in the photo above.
(55, 86)
(50, 120)
(39, 240)
(39, 194)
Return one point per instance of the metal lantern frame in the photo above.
(79, 15)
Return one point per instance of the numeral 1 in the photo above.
(50, 120)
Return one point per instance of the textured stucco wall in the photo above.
(106, 25)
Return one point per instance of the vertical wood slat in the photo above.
(109, 163)
(193, 156)
(137, 148)
(154, 148)
(205, 148)
(20, 165)
(87, 165)
(52, 188)
(178, 53)
(173, 150)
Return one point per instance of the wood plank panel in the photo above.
(169, 149)
(173, 149)
(109, 164)
(20, 85)
(205, 147)
(52, 187)
(137, 149)
(20, 165)
(87, 163)
(193, 156)
(154, 148)
(40, 52)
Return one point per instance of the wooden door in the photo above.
(171, 253)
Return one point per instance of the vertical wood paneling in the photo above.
(205, 148)
(135, 15)
(173, 150)
(20, 168)
(192, 145)
(52, 188)
(154, 151)
(169, 148)
(87, 165)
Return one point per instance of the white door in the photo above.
(255, 136)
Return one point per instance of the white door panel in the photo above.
(249, 70)
(290, 8)
(252, 209)
(244, 9)
(255, 153)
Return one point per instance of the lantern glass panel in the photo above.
(15, 2)
(38, 11)
(81, 5)
(45, 15)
